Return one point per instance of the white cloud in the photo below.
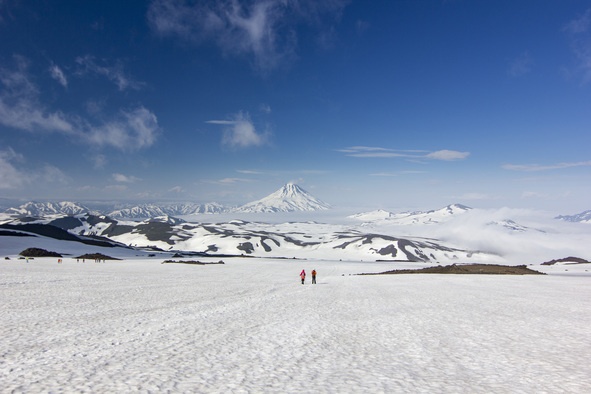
(20, 107)
(447, 155)
(377, 152)
(114, 73)
(385, 174)
(250, 172)
(537, 167)
(52, 175)
(240, 132)
(125, 178)
(134, 130)
(227, 181)
(176, 189)
(579, 30)
(580, 24)
(10, 176)
(264, 29)
(99, 161)
(368, 151)
(116, 188)
(57, 74)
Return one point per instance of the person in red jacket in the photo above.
(313, 276)
(303, 276)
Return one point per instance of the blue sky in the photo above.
(381, 104)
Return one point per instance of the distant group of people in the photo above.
(303, 276)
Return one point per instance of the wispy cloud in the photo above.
(538, 167)
(579, 31)
(13, 177)
(447, 155)
(228, 181)
(370, 151)
(251, 172)
(21, 109)
(240, 132)
(19, 104)
(133, 130)
(476, 196)
(263, 29)
(580, 24)
(378, 152)
(176, 189)
(10, 176)
(57, 74)
(396, 173)
(521, 65)
(114, 73)
(266, 108)
(121, 178)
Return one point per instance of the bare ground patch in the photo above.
(478, 269)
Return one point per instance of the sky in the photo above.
(395, 105)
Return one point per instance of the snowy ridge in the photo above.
(583, 217)
(289, 198)
(145, 211)
(238, 237)
(417, 217)
(371, 216)
(48, 208)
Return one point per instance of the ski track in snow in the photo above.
(250, 326)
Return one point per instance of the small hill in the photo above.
(567, 260)
(37, 252)
(96, 256)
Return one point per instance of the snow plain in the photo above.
(249, 326)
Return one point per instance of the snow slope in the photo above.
(248, 326)
(408, 218)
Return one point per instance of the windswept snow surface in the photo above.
(250, 326)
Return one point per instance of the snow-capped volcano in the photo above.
(289, 198)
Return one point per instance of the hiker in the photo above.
(303, 276)
(313, 276)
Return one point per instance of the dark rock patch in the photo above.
(479, 269)
(37, 252)
(571, 260)
(96, 256)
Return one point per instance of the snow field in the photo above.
(249, 326)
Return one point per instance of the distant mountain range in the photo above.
(289, 198)
(583, 217)
(144, 211)
(154, 226)
(48, 208)
(416, 217)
